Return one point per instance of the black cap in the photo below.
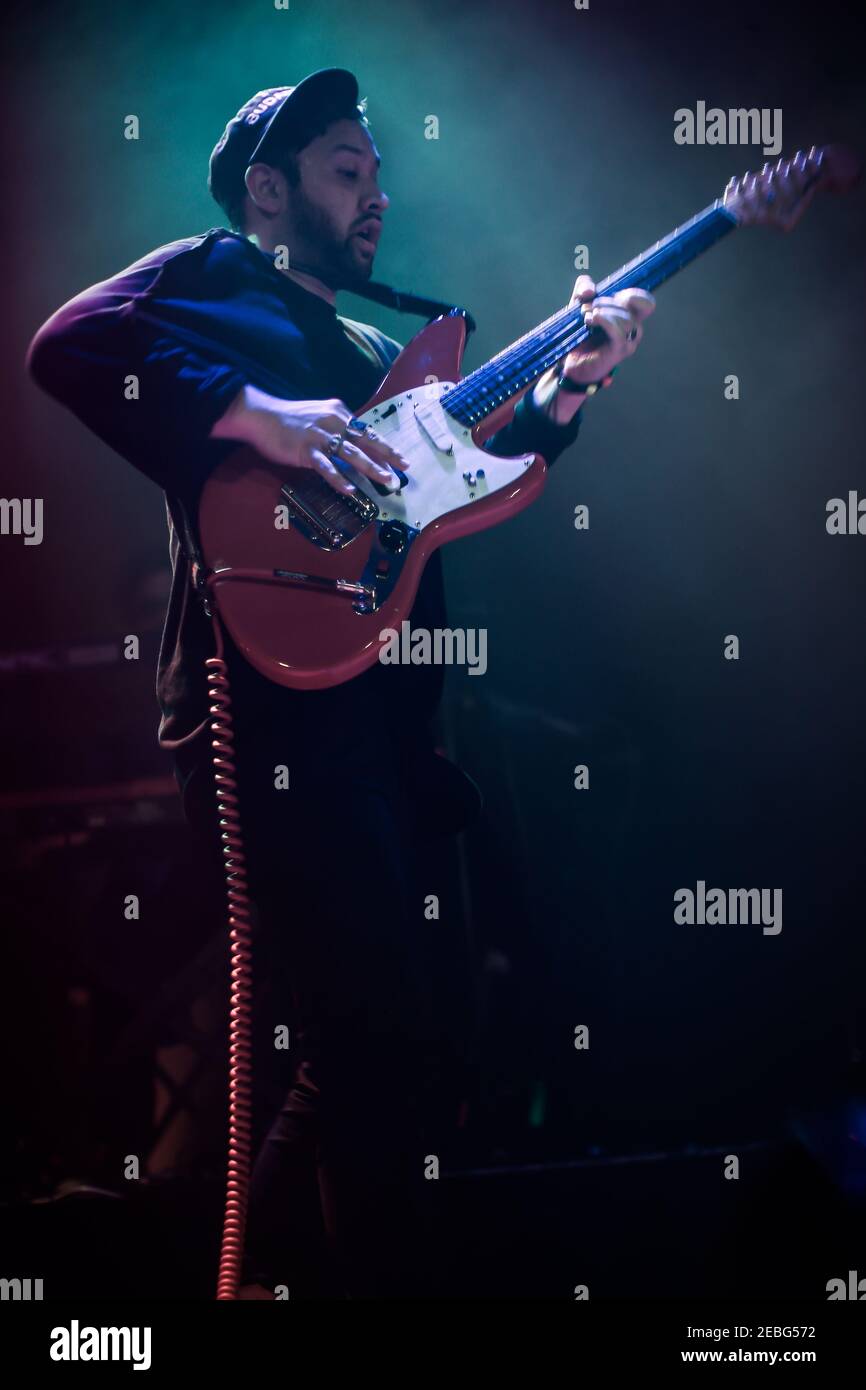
(271, 121)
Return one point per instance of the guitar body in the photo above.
(304, 581)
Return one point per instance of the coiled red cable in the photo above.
(240, 936)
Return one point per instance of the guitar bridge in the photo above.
(328, 519)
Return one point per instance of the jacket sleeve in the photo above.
(531, 431)
(134, 381)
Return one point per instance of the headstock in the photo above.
(779, 195)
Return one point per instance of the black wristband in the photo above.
(579, 388)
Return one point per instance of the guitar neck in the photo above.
(511, 370)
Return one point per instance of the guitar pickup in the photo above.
(432, 421)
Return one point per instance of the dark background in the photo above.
(707, 517)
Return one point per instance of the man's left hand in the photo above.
(617, 321)
(617, 324)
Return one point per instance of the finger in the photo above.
(585, 362)
(620, 328)
(638, 302)
(609, 316)
(379, 472)
(338, 421)
(615, 306)
(320, 463)
(622, 332)
(377, 448)
(584, 289)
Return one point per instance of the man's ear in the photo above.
(265, 185)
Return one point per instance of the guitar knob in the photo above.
(392, 535)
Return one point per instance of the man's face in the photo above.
(334, 214)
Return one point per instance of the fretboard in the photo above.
(506, 374)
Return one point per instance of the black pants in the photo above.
(334, 873)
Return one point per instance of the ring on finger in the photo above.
(334, 444)
(357, 426)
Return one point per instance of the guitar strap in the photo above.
(400, 300)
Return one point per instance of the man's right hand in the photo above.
(299, 433)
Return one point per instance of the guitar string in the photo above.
(480, 388)
(564, 330)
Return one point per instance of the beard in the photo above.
(330, 254)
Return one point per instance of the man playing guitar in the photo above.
(232, 338)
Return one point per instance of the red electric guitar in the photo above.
(306, 579)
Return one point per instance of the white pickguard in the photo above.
(439, 451)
